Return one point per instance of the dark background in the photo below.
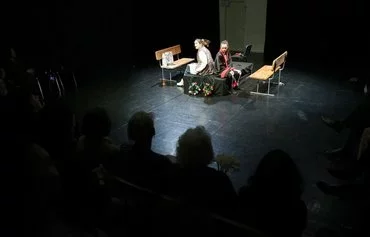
(330, 34)
(87, 35)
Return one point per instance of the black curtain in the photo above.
(166, 23)
(325, 34)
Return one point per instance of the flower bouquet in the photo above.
(207, 89)
(194, 88)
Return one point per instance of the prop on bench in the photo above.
(166, 61)
(267, 73)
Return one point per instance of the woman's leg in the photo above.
(231, 82)
(186, 72)
(237, 76)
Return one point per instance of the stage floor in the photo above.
(243, 125)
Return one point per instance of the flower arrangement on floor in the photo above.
(194, 88)
(207, 89)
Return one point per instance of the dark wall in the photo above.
(87, 35)
(328, 34)
(167, 23)
(79, 34)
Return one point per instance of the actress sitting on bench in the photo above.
(204, 65)
(224, 69)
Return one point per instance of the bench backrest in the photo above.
(174, 49)
(279, 61)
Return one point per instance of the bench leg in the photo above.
(74, 81)
(167, 82)
(261, 93)
(40, 88)
(279, 82)
(279, 76)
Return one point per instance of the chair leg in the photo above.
(61, 83)
(59, 90)
(261, 93)
(280, 83)
(40, 88)
(74, 80)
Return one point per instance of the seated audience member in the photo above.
(359, 168)
(198, 184)
(85, 195)
(95, 145)
(2, 73)
(137, 162)
(223, 65)
(7, 104)
(356, 190)
(355, 167)
(7, 95)
(17, 73)
(204, 65)
(57, 132)
(41, 191)
(271, 202)
(364, 143)
(22, 112)
(3, 88)
(356, 121)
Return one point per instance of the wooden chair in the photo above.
(242, 57)
(267, 72)
(175, 50)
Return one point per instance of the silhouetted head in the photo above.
(96, 123)
(194, 148)
(57, 123)
(140, 128)
(277, 174)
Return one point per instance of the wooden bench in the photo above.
(179, 62)
(267, 73)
